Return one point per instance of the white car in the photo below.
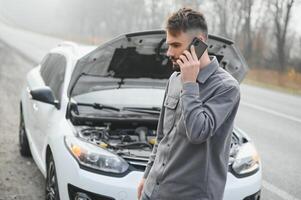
(88, 117)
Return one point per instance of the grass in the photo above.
(288, 82)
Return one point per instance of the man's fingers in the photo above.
(139, 195)
(180, 63)
(188, 55)
(139, 192)
(192, 50)
(140, 188)
(183, 58)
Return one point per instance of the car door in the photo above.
(47, 115)
(33, 81)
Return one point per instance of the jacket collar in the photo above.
(209, 69)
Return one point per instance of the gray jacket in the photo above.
(190, 159)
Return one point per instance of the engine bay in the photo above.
(133, 144)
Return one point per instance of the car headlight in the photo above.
(92, 156)
(246, 160)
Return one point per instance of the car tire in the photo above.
(52, 189)
(23, 141)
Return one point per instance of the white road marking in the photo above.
(272, 112)
(281, 193)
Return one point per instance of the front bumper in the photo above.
(69, 173)
(73, 179)
(243, 188)
(255, 196)
(80, 194)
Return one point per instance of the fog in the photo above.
(267, 32)
(85, 20)
(98, 19)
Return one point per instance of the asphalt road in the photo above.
(272, 120)
(19, 177)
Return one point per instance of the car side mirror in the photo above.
(44, 95)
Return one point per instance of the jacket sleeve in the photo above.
(202, 119)
(158, 138)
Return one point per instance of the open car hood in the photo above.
(142, 55)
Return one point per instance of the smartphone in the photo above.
(199, 47)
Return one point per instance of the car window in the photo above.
(53, 71)
(44, 67)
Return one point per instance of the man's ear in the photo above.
(201, 38)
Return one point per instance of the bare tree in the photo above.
(282, 16)
(248, 40)
(157, 13)
(230, 16)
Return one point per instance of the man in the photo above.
(190, 159)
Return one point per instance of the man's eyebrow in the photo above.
(173, 43)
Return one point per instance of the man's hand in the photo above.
(140, 188)
(189, 65)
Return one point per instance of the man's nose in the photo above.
(169, 52)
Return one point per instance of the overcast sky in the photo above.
(296, 17)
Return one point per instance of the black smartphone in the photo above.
(199, 47)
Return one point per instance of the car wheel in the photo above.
(52, 189)
(23, 141)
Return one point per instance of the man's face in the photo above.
(176, 46)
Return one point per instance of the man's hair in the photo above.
(186, 19)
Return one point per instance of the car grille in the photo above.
(255, 196)
(78, 193)
(137, 162)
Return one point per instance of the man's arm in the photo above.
(202, 119)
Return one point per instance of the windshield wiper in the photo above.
(99, 106)
(151, 110)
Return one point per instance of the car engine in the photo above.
(134, 145)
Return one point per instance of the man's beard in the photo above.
(175, 65)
